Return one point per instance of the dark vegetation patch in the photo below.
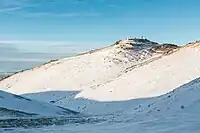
(46, 121)
(182, 106)
(164, 47)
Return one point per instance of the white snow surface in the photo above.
(18, 103)
(153, 79)
(175, 112)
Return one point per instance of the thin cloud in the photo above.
(10, 9)
(33, 42)
(20, 7)
(113, 6)
(47, 14)
(15, 5)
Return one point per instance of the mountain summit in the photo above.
(136, 43)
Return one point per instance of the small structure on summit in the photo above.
(135, 38)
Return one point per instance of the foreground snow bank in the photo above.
(11, 105)
(174, 112)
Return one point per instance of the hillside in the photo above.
(88, 70)
(145, 80)
(154, 79)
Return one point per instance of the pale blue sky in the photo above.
(99, 22)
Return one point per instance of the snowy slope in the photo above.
(184, 99)
(175, 112)
(153, 79)
(88, 70)
(150, 80)
(15, 104)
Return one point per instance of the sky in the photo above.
(71, 26)
(96, 22)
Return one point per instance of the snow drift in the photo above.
(15, 105)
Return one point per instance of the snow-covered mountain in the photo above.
(132, 85)
(88, 70)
